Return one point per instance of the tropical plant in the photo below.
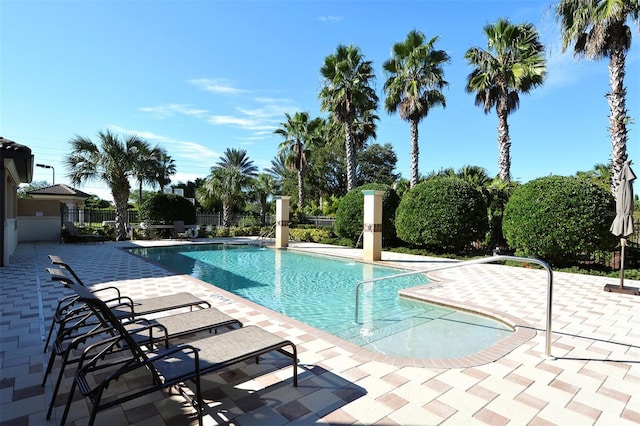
(146, 166)
(346, 92)
(228, 181)
(600, 174)
(598, 29)
(414, 84)
(442, 213)
(113, 162)
(554, 218)
(298, 132)
(165, 168)
(264, 186)
(163, 208)
(513, 63)
(376, 164)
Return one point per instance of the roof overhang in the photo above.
(17, 159)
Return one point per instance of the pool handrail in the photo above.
(495, 258)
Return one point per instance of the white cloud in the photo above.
(216, 85)
(330, 18)
(196, 152)
(168, 110)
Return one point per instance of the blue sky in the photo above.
(197, 77)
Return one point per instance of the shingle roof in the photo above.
(59, 189)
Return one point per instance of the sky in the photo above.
(197, 77)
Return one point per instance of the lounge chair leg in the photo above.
(63, 420)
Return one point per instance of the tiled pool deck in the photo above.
(594, 380)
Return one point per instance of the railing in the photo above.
(266, 234)
(491, 259)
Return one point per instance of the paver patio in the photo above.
(594, 380)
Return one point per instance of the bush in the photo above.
(167, 208)
(442, 213)
(314, 235)
(350, 214)
(555, 217)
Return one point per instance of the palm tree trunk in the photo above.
(120, 199)
(226, 210)
(351, 158)
(617, 114)
(300, 189)
(504, 142)
(415, 153)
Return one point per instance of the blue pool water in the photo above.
(320, 291)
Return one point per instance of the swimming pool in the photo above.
(320, 291)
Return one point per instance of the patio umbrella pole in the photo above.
(623, 243)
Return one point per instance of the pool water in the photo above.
(320, 291)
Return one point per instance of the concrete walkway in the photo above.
(595, 379)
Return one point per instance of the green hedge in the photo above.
(167, 208)
(442, 213)
(555, 217)
(350, 214)
(313, 235)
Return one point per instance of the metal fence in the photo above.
(100, 216)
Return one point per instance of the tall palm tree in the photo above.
(598, 29)
(264, 186)
(414, 84)
(228, 180)
(513, 63)
(346, 90)
(145, 167)
(165, 168)
(113, 162)
(298, 132)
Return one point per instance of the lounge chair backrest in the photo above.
(71, 228)
(56, 260)
(106, 316)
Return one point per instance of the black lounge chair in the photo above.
(76, 235)
(127, 306)
(81, 326)
(164, 368)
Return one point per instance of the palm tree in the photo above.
(298, 132)
(165, 168)
(113, 162)
(145, 167)
(513, 63)
(228, 180)
(414, 84)
(263, 186)
(346, 91)
(597, 29)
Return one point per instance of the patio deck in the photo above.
(595, 379)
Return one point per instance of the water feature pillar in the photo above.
(282, 221)
(372, 230)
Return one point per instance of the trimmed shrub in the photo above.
(314, 235)
(556, 217)
(442, 213)
(167, 208)
(350, 214)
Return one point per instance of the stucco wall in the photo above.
(38, 220)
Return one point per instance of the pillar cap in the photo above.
(282, 197)
(372, 192)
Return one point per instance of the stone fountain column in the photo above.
(372, 232)
(282, 221)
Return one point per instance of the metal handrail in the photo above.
(265, 234)
(491, 259)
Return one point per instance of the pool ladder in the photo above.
(268, 234)
(495, 258)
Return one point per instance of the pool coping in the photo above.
(523, 331)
